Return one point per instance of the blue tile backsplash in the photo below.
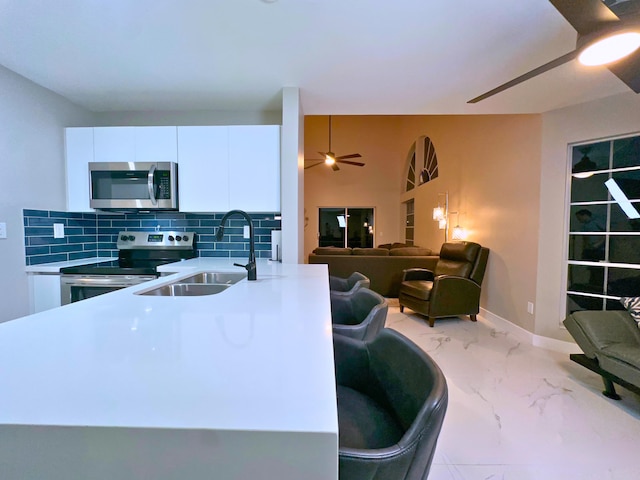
(95, 234)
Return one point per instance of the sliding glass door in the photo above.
(346, 227)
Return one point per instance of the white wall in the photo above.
(186, 118)
(32, 121)
(616, 115)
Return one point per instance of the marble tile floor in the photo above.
(519, 412)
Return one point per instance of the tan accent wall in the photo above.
(377, 184)
(490, 165)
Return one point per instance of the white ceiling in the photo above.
(346, 56)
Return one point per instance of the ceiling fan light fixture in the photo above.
(330, 158)
(609, 48)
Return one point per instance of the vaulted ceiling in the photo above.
(346, 56)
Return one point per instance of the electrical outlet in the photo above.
(3, 230)
(530, 307)
(58, 230)
(246, 231)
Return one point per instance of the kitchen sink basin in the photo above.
(203, 283)
(226, 278)
(186, 289)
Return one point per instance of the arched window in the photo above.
(422, 163)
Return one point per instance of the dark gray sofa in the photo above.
(383, 266)
(610, 341)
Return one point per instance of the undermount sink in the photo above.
(186, 290)
(203, 283)
(226, 278)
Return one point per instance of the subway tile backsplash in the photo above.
(95, 234)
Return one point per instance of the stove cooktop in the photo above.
(109, 268)
(140, 252)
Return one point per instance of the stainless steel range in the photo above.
(139, 253)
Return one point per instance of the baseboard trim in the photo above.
(526, 336)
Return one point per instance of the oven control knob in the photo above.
(185, 238)
(131, 238)
(171, 239)
(178, 237)
(123, 238)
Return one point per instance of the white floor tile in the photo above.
(517, 412)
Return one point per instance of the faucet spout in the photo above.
(251, 266)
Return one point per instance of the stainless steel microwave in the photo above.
(133, 185)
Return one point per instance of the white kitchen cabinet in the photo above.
(44, 292)
(156, 144)
(111, 144)
(254, 168)
(79, 152)
(203, 174)
(135, 144)
(229, 167)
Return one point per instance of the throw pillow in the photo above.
(632, 304)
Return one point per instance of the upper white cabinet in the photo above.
(203, 174)
(221, 167)
(224, 168)
(79, 152)
(135, 144)
(254, 168)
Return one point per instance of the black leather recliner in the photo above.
(392, 399)
(360, 315)
(453, 288)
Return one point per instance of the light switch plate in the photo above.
(246, 231)
(58, 230)
(3, 230)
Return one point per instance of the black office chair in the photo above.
(348, 286)
(360, 315)
(392, 399)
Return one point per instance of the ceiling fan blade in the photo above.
(335, 167)
(320, 162)
(628, 70)
(357, 164)
(533, 73)
(353, 155)
(585, 16)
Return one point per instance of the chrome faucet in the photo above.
(251, 266)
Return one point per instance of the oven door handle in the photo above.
(151, 185)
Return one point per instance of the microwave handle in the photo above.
(150, 184)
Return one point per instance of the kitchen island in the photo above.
(236, 385)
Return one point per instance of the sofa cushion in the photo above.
(379, 252)
(410, 251)
(363, 422)
(332, 251)
(420, 289)
(632, 304)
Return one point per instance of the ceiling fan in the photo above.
(595, 23)
(331, 159)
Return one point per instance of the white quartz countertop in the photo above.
(257, 356)
(56, 266)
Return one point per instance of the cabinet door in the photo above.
(114, 144)
(203, 172)
(156, 144)
(45, 292)
(79, 152)
(254, 168)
